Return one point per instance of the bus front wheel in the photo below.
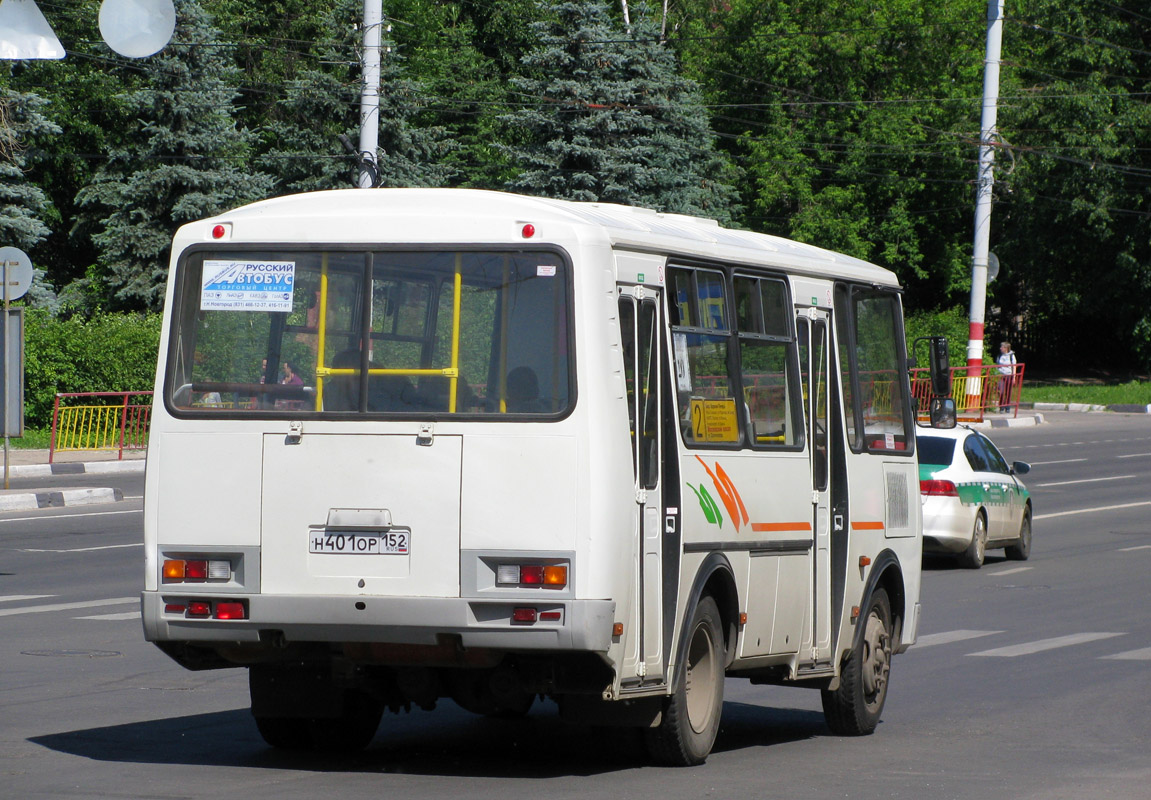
(691, 715)
(854, 708)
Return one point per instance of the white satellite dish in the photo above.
(24, 33)
(137, 28)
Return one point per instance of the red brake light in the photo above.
(229, 609)
(199, 608)
(938, 488)
(196, 570)
(532, 573)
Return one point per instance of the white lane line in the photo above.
(1089, 480)
(1041, 645)
(1009, 571)
(83, 549)
(68, 516)
(1091, 510)
(1135, 455)
(1043, 463)
(115, 601)
(1137, 547)
(12, 598)
(123, 615)
(1143, 654)
(947, 637)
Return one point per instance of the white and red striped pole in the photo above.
(983, 197)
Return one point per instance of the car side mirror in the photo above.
(1020, 468)
(942, 413)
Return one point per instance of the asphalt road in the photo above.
(1030, 680)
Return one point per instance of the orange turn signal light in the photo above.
(556, 575)
(174, 570)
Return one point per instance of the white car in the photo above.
(972, 500)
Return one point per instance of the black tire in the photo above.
(691, 714)
(350, 727)
(1021, 550)
(973, 556)
(854, 708)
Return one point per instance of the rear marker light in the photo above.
(178, 570)
(524, 615)
(550, 616)
(528, 231)
(229, 609)
(175, 608)
(199, 608)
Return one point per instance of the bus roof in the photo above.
(358, 214)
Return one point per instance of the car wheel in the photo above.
(854, 708)
(1021, 550)
(972, 558)
(691, 715)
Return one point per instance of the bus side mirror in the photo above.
(940, 367)
(942, 412)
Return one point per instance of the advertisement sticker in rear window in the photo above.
(247, 285)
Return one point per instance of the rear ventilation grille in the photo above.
(898, 512)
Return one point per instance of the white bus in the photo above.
(419, 444)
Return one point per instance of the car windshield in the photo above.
(935, 450)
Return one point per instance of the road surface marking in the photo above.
(1143, 654)
(122, 615)
(1035, 463)
(1009, 571)
(83, 549)
(115, 601)
(1041, 645)
(1089, 480)
(947, 637)
(1137, 547)
(68, 516)
(1091, 510)
(1135, 455)
(11, 598)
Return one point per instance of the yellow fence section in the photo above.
(110, 425)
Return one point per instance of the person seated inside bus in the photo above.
(433, 394)
(342, 392)
(523, 391)
(391, 393)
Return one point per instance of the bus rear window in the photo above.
(340, 332)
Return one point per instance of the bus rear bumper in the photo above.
(567, 625)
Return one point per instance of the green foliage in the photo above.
(1130, 393)
(608, 118)
(952, 323)
(186, 162)
(107, 353)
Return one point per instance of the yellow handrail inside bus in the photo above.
(321, 371)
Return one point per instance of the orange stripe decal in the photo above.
(778, 527)
(867, 526)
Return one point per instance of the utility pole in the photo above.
(370, 93)
(984, 184)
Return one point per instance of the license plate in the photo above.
(385, 543)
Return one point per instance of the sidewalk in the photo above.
(34, 464)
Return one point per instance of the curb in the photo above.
(27, 501)
(1122, 408)
(76, 468)
(1026, 421)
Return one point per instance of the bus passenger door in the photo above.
(812, 330)
(641, 335)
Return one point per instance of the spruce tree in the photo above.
(23, 203)
(323, 102)
(606, 117)
(187, 160)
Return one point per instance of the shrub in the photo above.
(106, 353)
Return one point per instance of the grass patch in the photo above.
(33, 439)
(1130, 393)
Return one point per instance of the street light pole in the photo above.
(983, 196)
(370, 93)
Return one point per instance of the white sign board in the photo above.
(15, 271)
(247, 285)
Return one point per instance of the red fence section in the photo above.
(976, 391)
(100, 421)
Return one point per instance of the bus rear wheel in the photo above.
(854, 708)
(346, 724)
(691, 715)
